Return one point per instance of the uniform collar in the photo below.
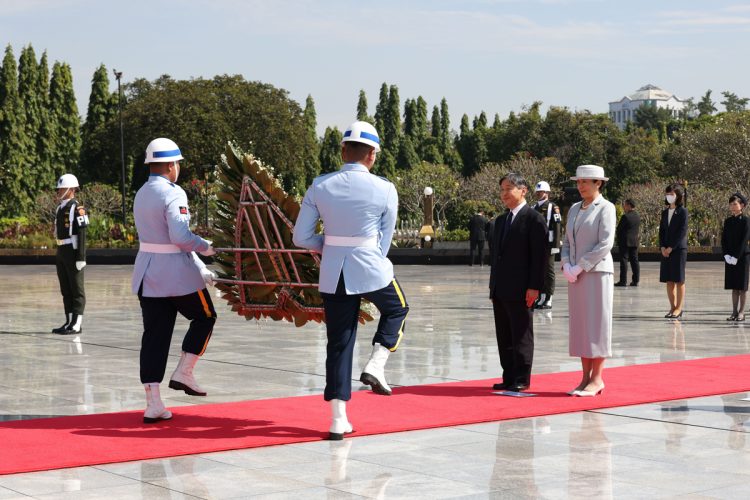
(157, 177)
(355, 167)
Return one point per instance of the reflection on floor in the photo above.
(691, 447)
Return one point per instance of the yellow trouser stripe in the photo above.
(205, 304)
(403, 304)
(398, 292)
(400, 335)
(206, 344)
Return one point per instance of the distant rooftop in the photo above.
(649, 92)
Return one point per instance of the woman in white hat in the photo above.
(588, 267)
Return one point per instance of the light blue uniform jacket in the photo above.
(354, 203)
(162, 216)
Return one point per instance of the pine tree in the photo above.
(65, 119)
(464, 130)
(330, 150)
(392, 128)
(480, 122)
(312, 156)
(381, 110)
(497, 122)
(47, 134)
(100, 109)
(29, 83)
(422, 124)
(410, 119)
(435, 123)
(14, 144)
(362, 108)
(407, 155)
(445, 128)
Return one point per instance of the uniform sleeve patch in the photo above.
(81, 211)
(183, 210)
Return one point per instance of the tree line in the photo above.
(42, 136)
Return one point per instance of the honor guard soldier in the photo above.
(551, 213)
(169, 278)
(71, 220)
(358, 211)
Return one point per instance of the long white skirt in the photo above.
(590, 324)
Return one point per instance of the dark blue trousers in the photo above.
(342, 318)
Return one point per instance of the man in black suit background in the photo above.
(477, 231)
(519, 263)
(628, 240)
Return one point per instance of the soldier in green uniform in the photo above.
(71, 220)
(551, 213)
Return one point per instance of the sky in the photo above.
(481, 55)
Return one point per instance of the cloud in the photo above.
(396, 24)
(719, 18)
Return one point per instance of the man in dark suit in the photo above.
(628, 239)
(477, 228)
(519, 263)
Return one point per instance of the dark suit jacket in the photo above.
(628, 230)
(477, 227)
(519, 264)
(674, 234)
(735, 236)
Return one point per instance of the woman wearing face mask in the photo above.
(734, 246)
(673, 242)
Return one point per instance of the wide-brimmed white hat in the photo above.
(594, 172)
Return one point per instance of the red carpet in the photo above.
(54, 443)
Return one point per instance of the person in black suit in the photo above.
(628, 239)
(673, 243)
(519, 263)
(734, 245)
(477, 234)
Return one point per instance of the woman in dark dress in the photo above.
(673, 243)
(734, 246)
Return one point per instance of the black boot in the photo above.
(65, 325)
(74, 327)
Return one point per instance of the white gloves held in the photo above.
(209, 251)
(732, 261)
(80, 264)
(571, 272)
(208, 276)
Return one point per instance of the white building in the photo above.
(623, 111)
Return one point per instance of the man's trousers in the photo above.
(159, 316)
(342, 317)
(514, 329)
(71, 280)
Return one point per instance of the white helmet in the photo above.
(67, 181)
(162, 150)
(362, 132)
(542, 186)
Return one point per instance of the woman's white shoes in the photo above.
(588, 393)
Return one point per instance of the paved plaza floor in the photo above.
(696, 448)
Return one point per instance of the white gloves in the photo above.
(568, 275)
(732, 261)
(571, 272)
(80, 264)
(209, 251)
(208, 276)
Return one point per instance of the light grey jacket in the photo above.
(591, 244)
(351, 202)
(162, 216)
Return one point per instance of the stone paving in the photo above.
(693, 448)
